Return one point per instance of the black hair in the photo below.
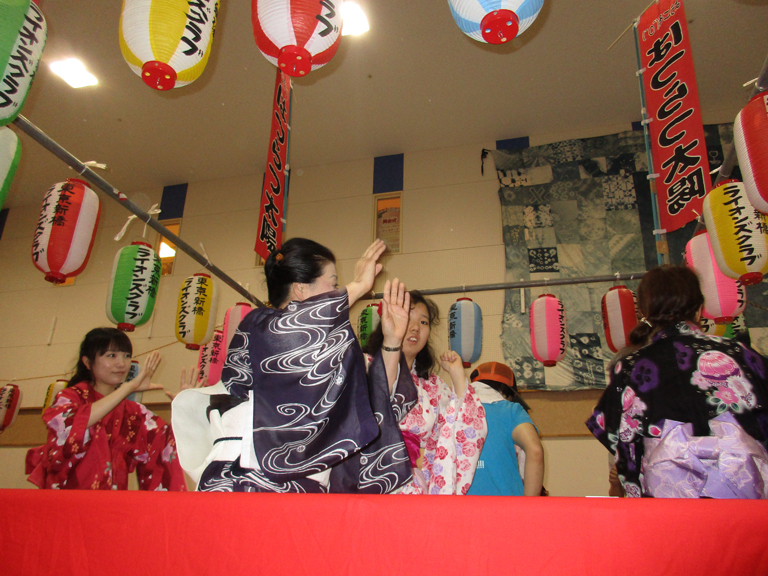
(425, 359)
(97, 342)
(299, 260)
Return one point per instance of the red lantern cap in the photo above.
(748, 279)
(193, 347)
(125, 327)
(158, 75)
(499, 26)
(56, 277)
(295, 61)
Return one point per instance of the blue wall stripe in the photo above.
(513, 143)
(172, 204)
(388, 173)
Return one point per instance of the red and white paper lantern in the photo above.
(232, 319)
(297, 36)
(494, 21)
(66, 229)
(10, 403)
(548, 331)
(750, 138)
(724, 298)
(619, 307)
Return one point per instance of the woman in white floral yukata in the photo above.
(446, 430)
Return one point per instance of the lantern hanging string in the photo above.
(54, 147)
(153, 210)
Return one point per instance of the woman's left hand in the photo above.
(192, 380)
(451, 362)
(366, 270)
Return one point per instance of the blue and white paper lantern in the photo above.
(465, 330)
(494, 21)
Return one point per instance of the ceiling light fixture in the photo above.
(166, 251)
(74, 73)
(354, 18)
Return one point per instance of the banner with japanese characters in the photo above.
(672, 101)
(275, 189)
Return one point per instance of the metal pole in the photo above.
(46, 142)
(525, 284)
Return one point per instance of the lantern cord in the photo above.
(153, 210)
(521, 284)
(52, 146)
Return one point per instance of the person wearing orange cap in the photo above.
(498, 472)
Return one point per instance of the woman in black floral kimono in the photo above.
(685, 414)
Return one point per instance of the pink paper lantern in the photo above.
(297, 36)
(619, 316)
(10, 402)
(218, 356)
(548, 332)
(750, 138)
(66, 229)
(204, 363)
(232, 319)
(724, 298)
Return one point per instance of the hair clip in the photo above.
(278, 257)
(646, 321)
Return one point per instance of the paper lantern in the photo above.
(133, 288)
(10, 154)
(494, 21)
(196, 313)
(53, 390)
(297, 36)
(10, 402)
(167, 42)
(218, 357)
(619, 307)
(23, 33)
(709, 327)
(548, 331)
(750, 138)
(367, 322)
(724, 298)
(465, 330)
(737, 232)
(204, 363)
(232, 319)
(66, 229)
(133, 371)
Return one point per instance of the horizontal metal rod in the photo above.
(526, 284)
(51, 145)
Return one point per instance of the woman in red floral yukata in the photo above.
(96, 436)
(446, 430)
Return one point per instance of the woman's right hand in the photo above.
(395, 313)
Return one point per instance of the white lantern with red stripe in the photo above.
(297, 36)
(10, 403)
(465, 330)
(619, 307)
(218, 357)
(232, 319)
(724, 298)
(548, 331)
(196, 312)
(66, 229)
(750, 138)
(494, 21)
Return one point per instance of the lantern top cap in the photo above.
(141, 243)
(547, 295)
(201, 274)
(78, 180)
(465, 298)
(617, 287)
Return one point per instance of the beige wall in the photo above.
(451, 237)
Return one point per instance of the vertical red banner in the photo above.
(273, 195)
(672, 101)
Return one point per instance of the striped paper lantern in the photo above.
(218, 357)
(232, 319)
(167, 42)
(297, 36)
(52, 391)
(196, 313)
(548, 331)
(737, 232)
(10, 403)
(367, 322)
(750, 138)
(23, 33)
(619, 307)
(494, 21)
(66, 229)
(724, 298)
(133, 288)
(465, 329)
(10, 154)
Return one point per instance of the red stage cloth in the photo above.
(82, 532)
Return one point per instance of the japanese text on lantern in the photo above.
(184, 307)
(677, 136)
(200, 12)
(273, 195)
(21, 64)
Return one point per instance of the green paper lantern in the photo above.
(367, 323)
(10, 154)
(133, 289)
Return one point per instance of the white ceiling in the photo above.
(414, 82)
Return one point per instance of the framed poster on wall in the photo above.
(387, 220)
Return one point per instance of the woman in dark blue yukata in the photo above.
(685, 414)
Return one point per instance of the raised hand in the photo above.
(366, 270)
(395, 313)
(189, 380)
(142, 381)
(451, 362)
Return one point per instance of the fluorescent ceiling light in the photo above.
(354, 18)
(166, 251)
(74, 73)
